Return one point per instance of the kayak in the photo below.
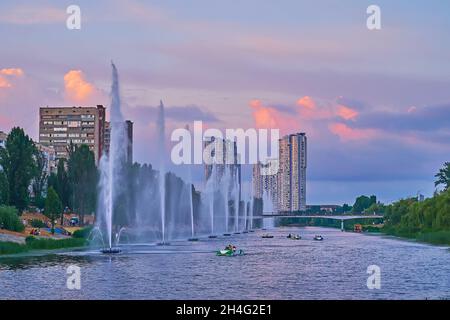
(229, 253)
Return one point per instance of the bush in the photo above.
(10, 220)
(12, 247)
(82, 233)
(35, 223)
(438, 237)
(46, 244)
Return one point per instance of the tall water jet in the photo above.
(192, 209)
(191, 189)
(161, 127)
(112, 165)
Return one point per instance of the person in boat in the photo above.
(231, 247)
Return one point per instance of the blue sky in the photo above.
(374, 104)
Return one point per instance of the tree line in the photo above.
(25, 182)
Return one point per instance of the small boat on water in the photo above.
(267, 236)
(318, 238)
(294, 236)
(229, 253)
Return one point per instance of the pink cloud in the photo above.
(311, 109)
(8, 74)
(271, 118)
(77, 89)
(307, 102)
(412, 109)
(347, 113)
(345, 133)
(32, 14)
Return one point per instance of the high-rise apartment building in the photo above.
(222, 155)
(265, 184)
(287, 188)
(129, 139)
(61, 126)
(298, 171)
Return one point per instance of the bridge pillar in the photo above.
(342, 225)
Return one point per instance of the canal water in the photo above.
(277, 268)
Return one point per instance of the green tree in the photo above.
(443, 176)
(378, 208)
(83, 178)
(60, 182)
(53, 206)
(10, 220)
(346, 208)
(4, 189)
(363, 202)
(40, 179)
(18, 162)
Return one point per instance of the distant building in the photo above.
(323, 208)
(50, 158)
(223, 156)
(287, 188)
(3, 137)
(129, 133)
(265, 186)
(61, 126)
(298, 171)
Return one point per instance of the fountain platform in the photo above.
(212, 237)
(110, 251)
(237, 233)
(227, 234)
(193, 239)
(163, 244)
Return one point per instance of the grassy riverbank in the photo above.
(32, 243)
(441, 237)
(432, 237)
(349, 225)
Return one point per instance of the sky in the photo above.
(375, 104)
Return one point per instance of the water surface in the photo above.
(277, 268)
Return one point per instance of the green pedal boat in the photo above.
(229, 253)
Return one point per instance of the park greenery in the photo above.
(25, 182)
(9, 219)
(53, 207)
(32, 243)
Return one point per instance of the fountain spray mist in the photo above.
(162, 180)
(112, 165)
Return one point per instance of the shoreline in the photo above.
(73, 244)
(34, 244)
(419, 237)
